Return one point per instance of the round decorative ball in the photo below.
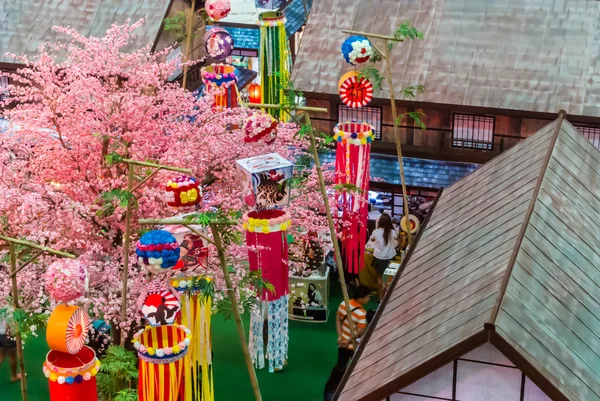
(217, 9)
(355, 92)
(357, 50)
(159, 304)
(260, 127)
(183, 191)
(218, 43)
(158, 251)
(66, 280)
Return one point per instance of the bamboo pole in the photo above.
(398, 142)
(177, 221)
(236, 312)
(188, 41)
(126, 245)
(15, 296)
(28, 244)
(373, 35)
(156, 165)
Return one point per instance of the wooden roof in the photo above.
(510, 255)
(27, 24)
(531, 55)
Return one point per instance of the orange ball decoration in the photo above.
(254, 93)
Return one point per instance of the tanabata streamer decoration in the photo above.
(158, 251)
(268, 4)
(159, 304)
(72, 377)
(275, 59)
(217, 9)
(183, 191)
(67, 329)
(218, 43)
(265, 181)
(357, 50)
(268, 253)
(66, 280)
(161, 350)
(222, 79)
(355, 92)
(414, 224)
(260, 127)
(196, 314)
(352, 168)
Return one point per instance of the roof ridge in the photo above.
(511, 262)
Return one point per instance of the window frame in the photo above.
(474, 144)
(377, 134)
(589, 130)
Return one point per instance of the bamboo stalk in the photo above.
(373, 35)
(159, 166)
(236, 312)
(126, 244)
(336, 245)
(175, 221)
(274, 106)
(15, 296)
(30, 261)
(28, 244)
(398, 141)
(145, 180)
(188, 41)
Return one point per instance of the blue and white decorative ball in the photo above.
(357, 50)
(158, 251)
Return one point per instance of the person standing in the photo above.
(8, 347)
(384, 241)
(359, 318)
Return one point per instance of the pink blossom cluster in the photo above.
(66, 280)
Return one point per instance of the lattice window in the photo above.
(474, 132)
(590, 132)
(175, 53)
(4, 82)
(369, 115)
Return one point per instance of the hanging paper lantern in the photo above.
(161, 369)
(268, 4)
(66, 280)
(67, 329)
(414, 224)
(254, 93)
(159, 304)
(355, 92)
(352, 160)
(223, 81)
(268, 253)
(260, 127)
(158, 251)
(275, 59)
(72, 377)
(357, 50)
(183, 191)
(217, 9)
(218, 43)
(265, 181)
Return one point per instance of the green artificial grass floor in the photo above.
(312, 355)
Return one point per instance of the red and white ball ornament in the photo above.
(355, 92)
(183, 191)
(260, 127)
(217, 9)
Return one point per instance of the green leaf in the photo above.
(348, 188)
(113, 158)
(416, 117)
(407, 31)
(373, 75)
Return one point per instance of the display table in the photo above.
(309, 297)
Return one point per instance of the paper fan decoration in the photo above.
(68, 328)
(260, 127)
(158, 251)
(183, 191)
(217, 9)
(218, 43)
(357, 50)
(355, 92)
(66, 280)
(159, 304)
(414, 224)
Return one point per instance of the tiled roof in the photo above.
(295, 16)
(243, 38)
(531, 55)
(26, 24)
(509, 256)
(418, 172)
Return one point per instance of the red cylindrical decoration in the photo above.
(223, 81)
(72, 377)
(352, 169)
(183, 191)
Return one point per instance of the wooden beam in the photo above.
(36, 246)
(372, 35)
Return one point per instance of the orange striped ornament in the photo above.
(354, 92)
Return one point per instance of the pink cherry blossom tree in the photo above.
(74, 118)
